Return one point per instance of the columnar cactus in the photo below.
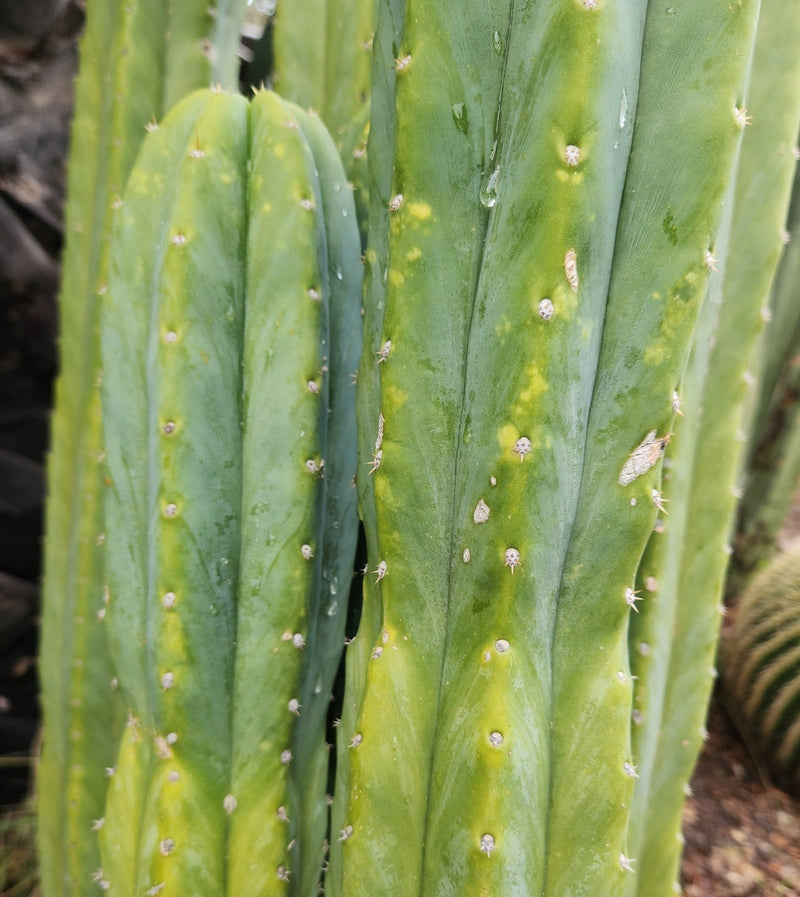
(532, 289)
(773, 451)
(230, 330)
(679, 583)
(323, 62)
(761, 666)
(136, 57)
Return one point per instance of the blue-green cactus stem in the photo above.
(218, 403)
(673, 638)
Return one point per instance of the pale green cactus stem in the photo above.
(772, 467)
(323, 61)
(221, 369)
(679, 584)
(134, 58)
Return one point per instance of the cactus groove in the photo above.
(216, 446)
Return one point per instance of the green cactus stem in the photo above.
(515, 400)
(229, 519)
(773, 451)
(673, 638)
(135, 57)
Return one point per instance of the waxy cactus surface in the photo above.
(137, 57)
(228, 528)
(536, 265)
(673, 638)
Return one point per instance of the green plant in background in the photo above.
(772, 466)
(545, 254)
(761, 666)
(136, 59)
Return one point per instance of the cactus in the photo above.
(485, 739)
(147, 54)
(761, 666)
(229, 525)
(773, 450)
(673, 638)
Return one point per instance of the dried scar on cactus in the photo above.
(643, 457)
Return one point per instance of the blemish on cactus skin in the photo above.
(492, 480)
(170, 337)
(501, 646)
(379, 437)
(512, 558)
(171, 509)
(522, 447)
(487, 844)
(384, 351)
(481, 512)
(546, 309)
(466, 556)
(169, 427)
(178, 239)
(651, 584)
(229, 804)
(173, 775)
(571, 269)
(495, 739)
(166, 846)
(167, 680)
(572, 155)
(643, 457)
(380, 572)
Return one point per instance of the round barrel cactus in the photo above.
(762, 666)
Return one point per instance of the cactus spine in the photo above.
(673, 638)
(216, 416)
(135, 57)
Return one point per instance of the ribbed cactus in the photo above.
(773, 451)
(761, 666)
(534, 282)
(679, 583)
(230, 330)
(323, 61)
(136, 57)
